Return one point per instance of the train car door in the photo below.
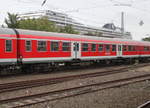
(76, 51)
(119, 51)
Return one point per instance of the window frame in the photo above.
(114, 49)
(129, 47)
(146, 48)
(6, 45)
(45, 45)
(99, 47)
(69, 47)
(133, 48)
(94, 48)
(51, 46)
(125, 47)
(84, 47)
(30, 46)
(106, 47)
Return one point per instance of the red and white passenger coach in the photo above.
(28, 47)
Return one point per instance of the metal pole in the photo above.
(122, 22)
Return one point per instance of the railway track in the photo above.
(68, 92)
(145, 105)
(6, 87)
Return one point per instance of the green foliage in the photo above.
(12, 20)
(146, 39)
(68, 29)
(41, 24)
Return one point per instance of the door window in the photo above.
(76, 46)
(119, 48)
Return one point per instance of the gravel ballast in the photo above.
(129, 96)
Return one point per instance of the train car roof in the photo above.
(65, 35)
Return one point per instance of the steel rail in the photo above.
(145, 105)
(69, 92)
(6, 87)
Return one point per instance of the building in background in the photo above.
(62, 19)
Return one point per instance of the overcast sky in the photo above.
(90, 12)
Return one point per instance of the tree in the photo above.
(146, 39)
(12, 20)
(41, 24)
(68, 29)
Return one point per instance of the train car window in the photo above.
(107, 47)
(100, 47)
(113, 47)
(133, 48)
(28, 45)
(93, 47)
(142, 48)
(146, 48)
(41, 46)
(129, 48)
(124, 48)
(54, 46)
(66, 46)
(136, 48)
(8, 47)
(85, 46)
(139, 48)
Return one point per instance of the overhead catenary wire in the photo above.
(133, 4)
(114, 2)
(43, 2)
